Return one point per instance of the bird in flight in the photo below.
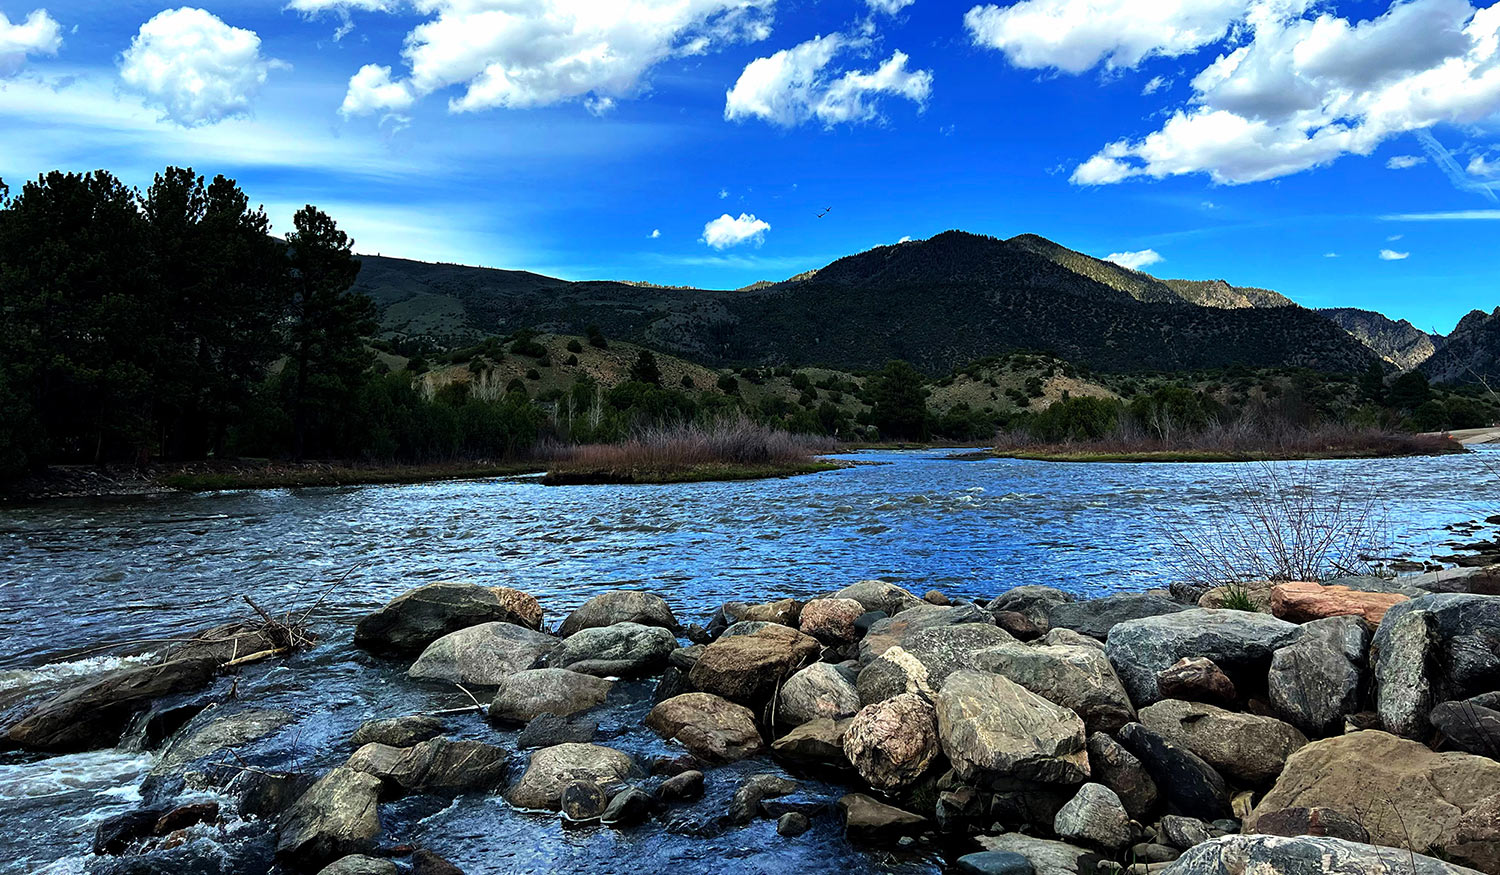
(825, 212)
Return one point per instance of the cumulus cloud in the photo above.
(372, 90)
(194, 67)
(1393, 255)
(655, 233)
(797, 85)
(1304, 91)
(1135, 260)
(516, 55)
(1404, 162)
(889, 7)
(727, 231)
(38, 34)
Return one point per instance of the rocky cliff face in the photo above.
(1471, 353)
(1398, 342)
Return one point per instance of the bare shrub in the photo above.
(733, 441)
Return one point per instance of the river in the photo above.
(77, 574)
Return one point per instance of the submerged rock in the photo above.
(892, 743)
(213, 731)
(397, 731)
(527, 694)
(359, 864)
(583, 801)
(552, 769)
(336, 817)
(485, 654)
(617, 650)
(619, 606)
(709, 726)
(992, 727)
(418, 617)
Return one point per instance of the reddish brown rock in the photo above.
(1301, 602)
(831, 620)
(711, 727)
(892, 743)
(1196, 679)
(747, 668)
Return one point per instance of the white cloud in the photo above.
(906, 239)
(1451, 216)
(1076, 35)
(794, 85)
(515, 55)
(1481, 167)
(1330, 255)
(342, 9)
(1393, 255)
(599, 106)
(727, 231)
(889, 7)
(1394, 237)
(198, 69)
(38, 34)
(723, 193)
(1135, 260)
(655, 234)
(1304, 91)
(371, 90)
(1155, 84)
(1403, 162)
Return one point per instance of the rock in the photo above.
(1300, 602)
(114, 835)
(485, 654)
(1017, 625)
(1068, 637)
(891, 743)
(551, 769)
(94, 713)
(674, 682)
(397, 731)
(936, 597)
(1479, 580)
(418, 617)
(748, 668)
(563, 692)
(784, 612)
(1245, 747)
(820, 690)
(213, 731)
(1403, 673)
(903, 627)
(1301, 821)
(816, 741)
(943, 650)
(619, 606)
(1320, 676)
(877, 595)
(1182, 832)
(582, 801)
(871, 822)
(1078, 678)
(425, 862)
(1119, 770)
(831, 620)
(1033, 602)
(359, 864)
(1257, 591)
(185, 816)
(619, 650)
(683, 787)
(810, 804)
(436, 766)
(336, 817)
(864, 621)
(709, 726)
(1096, 617)
(546, 730)
(1404, 794)
(891, 674)
(744, 627)
(992, 727)
(1476, 836)
(1467, 633)
(748, 795)
(1195, 679)
(792, 824)
(1046, 857)
(994, 863)
(1469, 726)
(265, 796)
(629, 807)
(1240, 643)
(1146, 852)
(1189, 785)
(1304, 855)
(1094, 817)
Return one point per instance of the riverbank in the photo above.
(1312, 447)
(580, 475)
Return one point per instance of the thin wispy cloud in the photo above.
(1445, 216)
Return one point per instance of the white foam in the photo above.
(51, 673)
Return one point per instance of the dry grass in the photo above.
(1245, 440)
(728, 449)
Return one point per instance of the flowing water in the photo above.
(78, 574)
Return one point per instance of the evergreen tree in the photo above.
(1372, 383)
(645, 370)
(899, 402)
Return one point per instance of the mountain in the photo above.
(1471, 353)
(1220, 294)
(1398, 342)
(938, 303)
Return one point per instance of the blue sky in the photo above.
(1345, 154)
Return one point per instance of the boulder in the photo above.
(1245, 747)
(1469, 726)
(872, 822)
(418, 617)
(993, 728)
(619, 606)
(1096, 617)
(891, 743)
(831, 620)
(1302, 821)
(336, 817)
(745, 804)
(1304, 855)
(1032, 601)
(681, 787)
(1240, 643)
(1077, 678)
(485, 654)
(629, 807)
(397, 731)
(792, 824)
(744, 627)
(891, 674)
(437, 766)
(94, 713)
(1195, 679)
(1475, 580)
(1403, 793)
(943, 650)
(582, 801)
(748, 668)
(1017, 625)
(877, 595)
(711, 727)
(937, 597)
(619, 650)
(1301, 602)
(1189, 785)
(994, 863)
(359, 864)
(1476, 836)
(1070, 638)
(546, 730)
(1465, 632)
(784, 612)
(1046, 857)
(214, 731)
(1182, 832)
(820, 690)
(552, 769)
(901, 628)
(1094, 817)
(425, 862)
(1405, 673)
(1319, 676)
(559, 691)
(1119, 770)
(816, 741)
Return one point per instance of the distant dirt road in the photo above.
(1475, 435)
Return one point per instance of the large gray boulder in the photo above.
(619, 650)
(877, 595)
(891, 674)
(403, 731)
(1319, 676)
(1047, 857)
(905, 626)
(1240, 643)
(891, 743)
(619, 606)
(552, 769)
(1121, 771)
(1406, 673)
(1094, 817)
(526, 694)
(336, 817)
(1032, 602)
(1247, 748)
(485, 654)
(1304, 855)
(214, 730)
(710, 727)
(1096, 617)
(359, 864)
(993, 728)
(1469, 726)
(1463, 633)
(437, 766)
(942, 650)
(1078, 678)
(1189, 785)
(820, 690)
(418, 617)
